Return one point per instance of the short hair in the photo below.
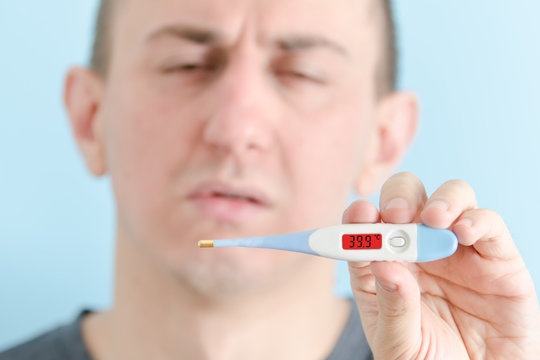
(387, 68)
(102, 46)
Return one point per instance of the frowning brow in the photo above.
(292, 42)
(187, 32)
(305, 42)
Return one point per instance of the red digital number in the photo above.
(361, 241)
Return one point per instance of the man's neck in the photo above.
(155, 317)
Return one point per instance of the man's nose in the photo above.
(239, 120)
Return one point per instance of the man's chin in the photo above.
(226, 273)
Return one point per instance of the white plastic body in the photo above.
(318, 242)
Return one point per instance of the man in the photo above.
(239, 118)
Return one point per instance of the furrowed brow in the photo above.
(305, 42)
(187, 32)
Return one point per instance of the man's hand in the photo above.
(480, 303)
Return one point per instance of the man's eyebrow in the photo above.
(304, 42)
(195, 34)
(206, 36)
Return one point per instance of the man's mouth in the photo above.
(226, 202)
(235, 197)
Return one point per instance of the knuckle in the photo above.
(395, 311)
(459, 184)
(491, 215)
(461, 189)
(408, 177)
(403, 181)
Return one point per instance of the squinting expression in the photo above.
(236, 118)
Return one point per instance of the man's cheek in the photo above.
(328, 179)
(137, 170)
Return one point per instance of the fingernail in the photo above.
(397, 203)
(386, 285)
(439, 204)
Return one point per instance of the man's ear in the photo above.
(396, 120)
(83, 97)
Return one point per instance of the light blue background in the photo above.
(474, 64)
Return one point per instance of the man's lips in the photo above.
(226, 202)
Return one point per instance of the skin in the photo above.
(238, 101)
(479, 303)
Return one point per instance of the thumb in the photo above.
(398, 330)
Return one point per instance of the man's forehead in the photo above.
(346, 19)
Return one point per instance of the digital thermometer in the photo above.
(358, 242)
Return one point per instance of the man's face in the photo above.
(235, 118)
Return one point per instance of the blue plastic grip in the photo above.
(435, 244)
(298, 242)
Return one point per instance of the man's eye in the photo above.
(188, 67)
(300, 76)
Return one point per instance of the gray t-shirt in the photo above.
(66, 343)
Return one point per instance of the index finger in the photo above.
(402, 197)
(486, 231)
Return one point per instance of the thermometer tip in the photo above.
(206, 243)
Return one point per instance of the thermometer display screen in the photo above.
(361, 241)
